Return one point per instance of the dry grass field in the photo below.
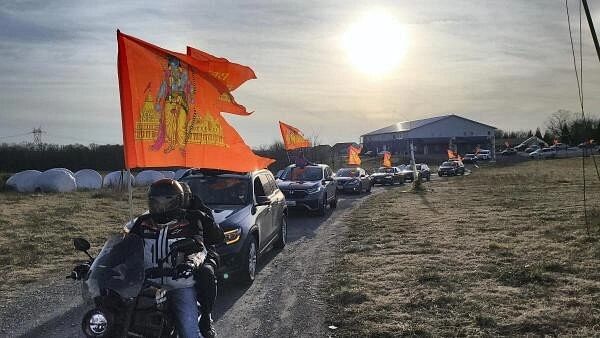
(503, 251)
(36, 232)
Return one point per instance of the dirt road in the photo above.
(284, 300)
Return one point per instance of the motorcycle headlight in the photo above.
(232, 236)
(96, 323)
(313, 190)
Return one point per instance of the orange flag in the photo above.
(387, 159)
(292, 137)
(451, 154)
(230, 74)
(170, 114)
(353, 157)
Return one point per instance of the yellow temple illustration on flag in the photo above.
(199, 129)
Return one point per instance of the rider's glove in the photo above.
(183, 271)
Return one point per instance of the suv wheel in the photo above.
(281, 241)
(250, 261)
(323, 207)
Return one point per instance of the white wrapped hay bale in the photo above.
(147, 177)
(63, 169)
(24, 181)
(117, 179)
(88, 179)
(179, 173)
(168, 174)
(56, 180)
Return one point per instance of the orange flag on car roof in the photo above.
(292, 137)
(230, 74)
(450, 154)
(170, 113)
(353, 157)
(387, 159)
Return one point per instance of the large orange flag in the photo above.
(292, 137)
(387, 159)
(353, 157)
(170, 114)
(230, 74)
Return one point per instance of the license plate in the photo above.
(290, 203)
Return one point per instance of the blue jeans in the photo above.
(182, 304)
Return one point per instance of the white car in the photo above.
(484, 155)
(543, 153)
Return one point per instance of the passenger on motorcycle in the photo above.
(206, 280)
(165, 224)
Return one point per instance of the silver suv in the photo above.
(310, 187)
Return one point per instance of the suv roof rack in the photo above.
(209, 172)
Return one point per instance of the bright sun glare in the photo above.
(375, 44)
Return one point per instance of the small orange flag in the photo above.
(170, 113)
(387, 159)
(230, 74)
(556, 141)
(292, 137)
(353, 157)
(451, 154)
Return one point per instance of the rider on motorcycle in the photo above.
(165, 224)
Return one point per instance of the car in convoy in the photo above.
(543, 153)
(469, 158)
(310, 187)
(508, 152)
(451, 168)
(353, 180)
(250, 209)
(407, 172)
(559, 147)
(532, 148)
(484, 155)
(387, 175)
(424, 171)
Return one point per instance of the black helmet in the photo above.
(165, 198)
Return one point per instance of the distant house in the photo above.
(341, 148)
(432, 135)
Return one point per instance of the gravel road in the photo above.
(283, 301)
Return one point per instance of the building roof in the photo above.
(414, 124)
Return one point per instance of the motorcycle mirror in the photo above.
(81, 244)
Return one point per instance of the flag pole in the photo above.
(130, 192)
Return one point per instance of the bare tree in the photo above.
(557, 122)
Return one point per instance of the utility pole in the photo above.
(412, 160)
(37, 137)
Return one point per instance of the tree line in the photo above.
(563, 126)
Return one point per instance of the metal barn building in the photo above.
(431, 136)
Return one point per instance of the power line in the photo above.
(16, 135)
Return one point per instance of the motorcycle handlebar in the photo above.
(152, 273)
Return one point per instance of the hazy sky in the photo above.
(505, 63)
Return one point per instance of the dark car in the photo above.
(424, 171)
(451, 168)
(353, 180)
(385, 175)
(250, 209)
(469, 158)
(310, 187)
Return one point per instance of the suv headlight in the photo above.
(313, 190)
(232, 236)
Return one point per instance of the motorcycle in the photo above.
(126, 302)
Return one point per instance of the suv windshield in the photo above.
(221, 190)
(302, 174)
(347, 173)
(385, 170)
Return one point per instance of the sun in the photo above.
(375, 44)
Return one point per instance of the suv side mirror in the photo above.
(262, 200)
(81, 244)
